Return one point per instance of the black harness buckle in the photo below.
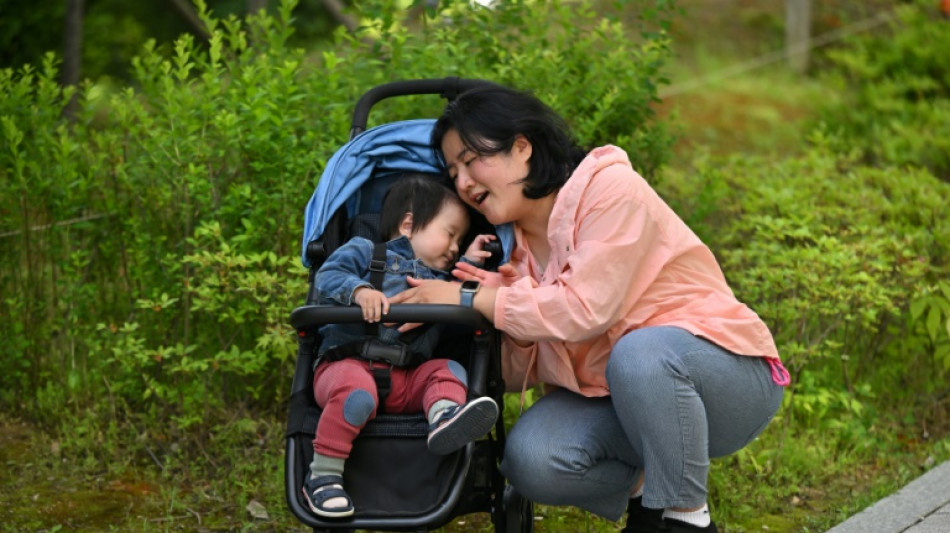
(397, 355)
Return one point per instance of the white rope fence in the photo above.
(776, 56)
(69, 222)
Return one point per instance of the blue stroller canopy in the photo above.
(382, 151)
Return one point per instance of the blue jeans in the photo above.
(675, 401)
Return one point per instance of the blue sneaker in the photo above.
(459, 425)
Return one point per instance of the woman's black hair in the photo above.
(418, 193)
(488, 119)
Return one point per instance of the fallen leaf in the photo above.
(257, 510)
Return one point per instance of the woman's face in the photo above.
(489, 183)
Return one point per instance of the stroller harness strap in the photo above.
(371, 348)
(376, 351)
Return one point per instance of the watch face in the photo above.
(470, 285)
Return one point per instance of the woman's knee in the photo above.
(540, 469)
(553, 445)
(524, 454)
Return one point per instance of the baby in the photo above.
(425, 223)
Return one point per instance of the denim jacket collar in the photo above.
(401, 246)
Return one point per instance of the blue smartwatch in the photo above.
(468, 290)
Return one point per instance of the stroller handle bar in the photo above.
(447, 88)
(309, 316)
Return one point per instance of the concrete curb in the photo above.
(922, 506)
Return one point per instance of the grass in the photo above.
(797, 477)
(762, 113)
(802, 482)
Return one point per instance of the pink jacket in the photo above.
(621, 259)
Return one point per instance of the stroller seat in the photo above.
(395, 482)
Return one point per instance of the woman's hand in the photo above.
(426, 291)
(505, 276)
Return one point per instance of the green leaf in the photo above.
(933, 323)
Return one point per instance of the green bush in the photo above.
(898, 86)
(153, 240)
(846, 263)
(596, 71)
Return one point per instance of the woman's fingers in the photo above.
(466, 274)
(507, 270)
(408, 326)
(402, 297)
(467, 271)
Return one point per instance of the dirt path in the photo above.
(43, 490)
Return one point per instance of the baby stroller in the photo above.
(395, 482)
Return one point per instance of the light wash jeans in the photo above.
(676, 400)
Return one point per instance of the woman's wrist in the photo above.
(484, 302)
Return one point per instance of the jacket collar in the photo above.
(401, 246)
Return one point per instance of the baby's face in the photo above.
(437, 244)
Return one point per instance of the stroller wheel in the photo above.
(516, 514)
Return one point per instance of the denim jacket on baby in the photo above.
(347, 269)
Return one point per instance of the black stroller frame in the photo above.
(391, 449)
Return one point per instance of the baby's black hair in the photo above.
(418, 193)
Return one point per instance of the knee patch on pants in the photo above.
(458, 371)
(358, 406)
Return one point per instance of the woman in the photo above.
(614, 304)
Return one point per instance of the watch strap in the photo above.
(467, 295)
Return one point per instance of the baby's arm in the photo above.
(373, 303)
(342, 273)
(475, 253)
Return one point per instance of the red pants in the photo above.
(346, 391)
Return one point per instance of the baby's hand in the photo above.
(475, 253)
(373, 303)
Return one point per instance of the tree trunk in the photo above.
(253, 6)
(797, 33)
(72, 52)
(335, 8)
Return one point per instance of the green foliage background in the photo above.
(114, 30)
(154, 239)
(898, 107)
(151, 244)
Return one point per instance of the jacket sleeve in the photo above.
(617, 249)
(344, 270)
